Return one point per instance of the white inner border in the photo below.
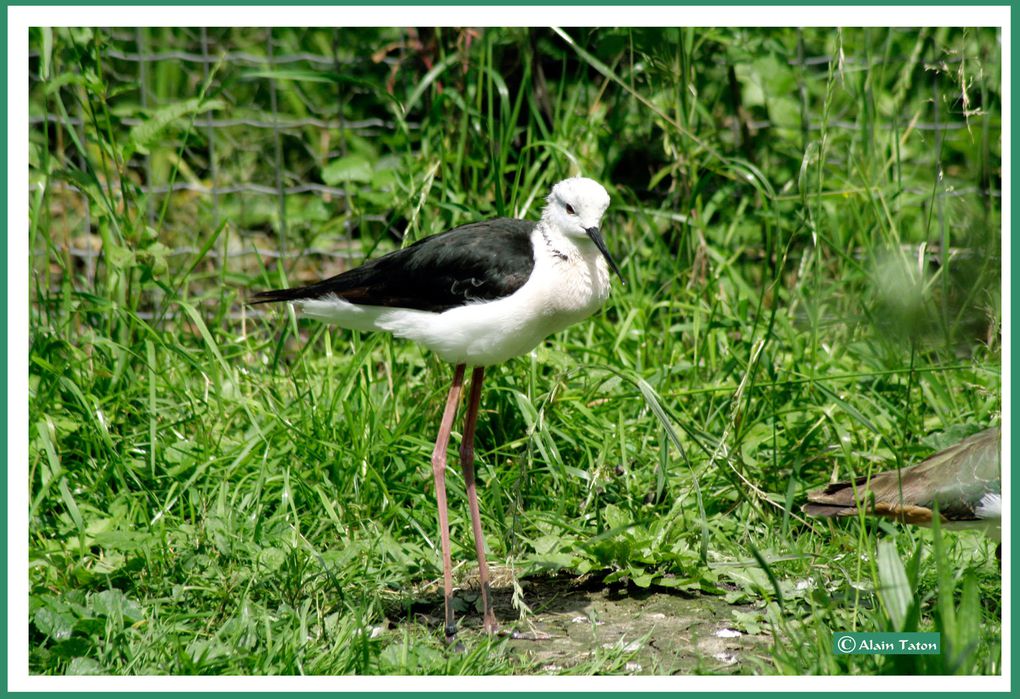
(18, 21)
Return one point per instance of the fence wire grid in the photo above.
(253, 160)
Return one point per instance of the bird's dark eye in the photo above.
(570, 209)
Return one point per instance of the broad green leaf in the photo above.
(895, 590)
(350, 168)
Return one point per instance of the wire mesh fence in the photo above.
(235, 130)
(263, 181)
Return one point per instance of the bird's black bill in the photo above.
(596, 238)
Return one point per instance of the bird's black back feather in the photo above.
(478, 262)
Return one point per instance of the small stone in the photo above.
(629, 648)
(725, 658)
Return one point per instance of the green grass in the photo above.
(812, 289)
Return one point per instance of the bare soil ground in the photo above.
(584, 625)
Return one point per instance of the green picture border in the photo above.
(15, 334)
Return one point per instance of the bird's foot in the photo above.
(450, 632)
(491, 627)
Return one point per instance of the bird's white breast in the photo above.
(569, 284)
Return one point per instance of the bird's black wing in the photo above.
(478, 262)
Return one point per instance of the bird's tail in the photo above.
(816, 509)
(278, 295)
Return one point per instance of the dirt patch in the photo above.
(584, 625)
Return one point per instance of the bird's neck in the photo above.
(564, 247)
(572, 273)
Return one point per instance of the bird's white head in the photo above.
(575, 205)
(575, 208)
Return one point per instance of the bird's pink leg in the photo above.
(439, 473)
(467, 462)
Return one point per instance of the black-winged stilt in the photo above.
(476, 295)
